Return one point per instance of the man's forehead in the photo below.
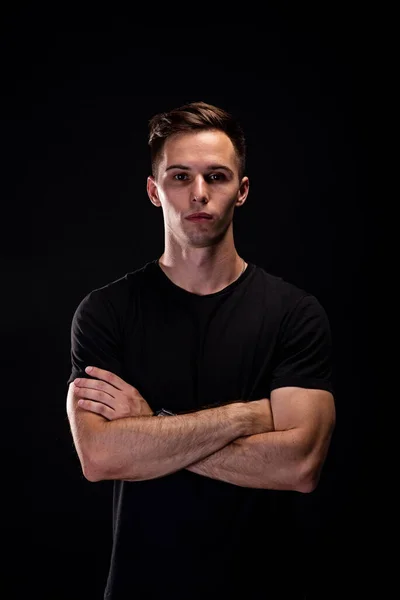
(205, 147)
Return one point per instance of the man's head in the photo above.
(198, 162)
(191, 118)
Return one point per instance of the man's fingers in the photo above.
(95, 384)
(96, 395)
(111, 378)
(96, 407)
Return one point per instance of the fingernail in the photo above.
(88, 369)
(77, 380)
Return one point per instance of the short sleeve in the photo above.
(95, 338)
(303, 355)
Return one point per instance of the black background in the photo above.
(77, 94)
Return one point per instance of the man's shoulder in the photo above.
(124, 284)
(290, 303)
(278, 288)
(119, 292)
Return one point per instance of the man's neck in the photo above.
(208, 278)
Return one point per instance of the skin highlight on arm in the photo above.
(289, 458)
(138, 448)
(283, 448)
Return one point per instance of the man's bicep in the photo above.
(311, 411)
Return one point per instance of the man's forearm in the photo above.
(138, 448)
(270, 460)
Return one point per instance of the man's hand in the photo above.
(110, 396)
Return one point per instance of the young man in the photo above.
(209, 399)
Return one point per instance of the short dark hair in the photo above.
(194, 116)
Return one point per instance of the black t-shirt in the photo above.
(186, 535)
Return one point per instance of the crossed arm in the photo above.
(291, 456)
(279, 443)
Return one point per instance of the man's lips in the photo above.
(199, 217)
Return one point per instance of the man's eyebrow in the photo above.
(183, 167)
(209, 168)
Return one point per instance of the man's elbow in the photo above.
(91, 468)
(90, 447)
(93, 475)
(308, 476)
(307, 485)
(101, 467)
(311, 463)
(93, 465)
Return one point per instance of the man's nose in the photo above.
(199, 189)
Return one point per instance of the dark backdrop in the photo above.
(77, 97)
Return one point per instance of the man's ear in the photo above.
(152, 191)
(243, 191)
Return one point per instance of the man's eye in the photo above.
(180, 176)
(216, 176)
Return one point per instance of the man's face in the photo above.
(198, 172)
